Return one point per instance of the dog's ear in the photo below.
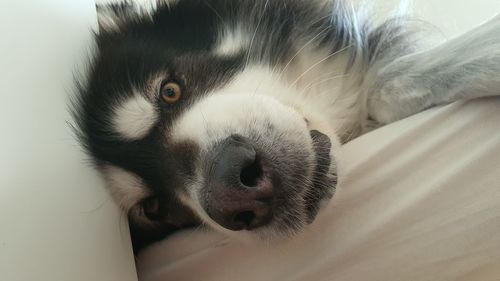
(165, 3)
(111, 16)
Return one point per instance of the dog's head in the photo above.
(192, 119)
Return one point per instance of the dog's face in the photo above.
(188, 125)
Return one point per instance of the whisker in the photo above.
(214, 10)
(318, 63)
(255, 32)
(300, 50)
(313, 84)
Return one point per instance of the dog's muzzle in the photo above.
(247, 188)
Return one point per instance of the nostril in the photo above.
(239, 190)
(251, 174)
(244, 219)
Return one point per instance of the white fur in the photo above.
(126, 188)
(325, 93)
(134, 118)
(232, 41)
(107, 19)
(207, 121)
(319, 91)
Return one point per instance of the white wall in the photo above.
(450, 16)
(56, 221)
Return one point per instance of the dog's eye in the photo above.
(171, 92)
(151, 209)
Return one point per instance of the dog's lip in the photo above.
(322, 146)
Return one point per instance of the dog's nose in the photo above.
(239, 194)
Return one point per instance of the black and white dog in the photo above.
(231, 113)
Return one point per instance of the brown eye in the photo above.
(151, 209)
(171, 92)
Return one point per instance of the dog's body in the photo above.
(231, 113)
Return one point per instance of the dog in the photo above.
(231, 114)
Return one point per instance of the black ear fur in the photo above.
(111, 16)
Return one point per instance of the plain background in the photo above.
(56, 221)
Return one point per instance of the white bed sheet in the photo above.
(418, 200)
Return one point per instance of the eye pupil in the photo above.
(170, 92)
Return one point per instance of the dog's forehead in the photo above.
(125, 122)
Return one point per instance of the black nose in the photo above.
(239, 191)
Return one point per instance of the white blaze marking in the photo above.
(126, 188)
(232, 42)
(134, 118)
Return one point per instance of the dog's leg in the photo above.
(463, 68)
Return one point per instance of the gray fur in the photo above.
(463, 68)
